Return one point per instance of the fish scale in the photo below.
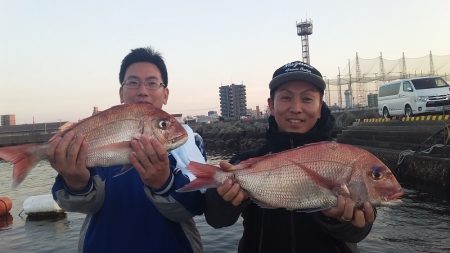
(108, 135)
(307, 178)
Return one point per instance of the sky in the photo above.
(59, 59)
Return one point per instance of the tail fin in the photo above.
(205, 177)
(24, 157)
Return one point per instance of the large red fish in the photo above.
(108, 135)
(307, 178)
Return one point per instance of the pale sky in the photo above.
(59, 59)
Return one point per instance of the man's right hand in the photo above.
(67, 155)
(231, 191)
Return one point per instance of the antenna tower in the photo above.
(304, 29)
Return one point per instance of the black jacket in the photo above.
(279, 230)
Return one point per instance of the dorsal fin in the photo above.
(249, 162)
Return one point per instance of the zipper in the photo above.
(293, 246)
(262, 230)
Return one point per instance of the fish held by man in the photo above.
(307, 178)
(108, 135)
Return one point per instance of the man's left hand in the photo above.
(151, 161)
(345, 211)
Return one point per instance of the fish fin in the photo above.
(312, 210)
(263, 205)
(24, 157)
(332, 143)
(117, 146)
(205, 177)
(124, 170)
(249, 162)
(317, 178)
(307, 210)
(197, 184)
(341, 189)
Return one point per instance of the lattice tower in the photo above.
(304, 29)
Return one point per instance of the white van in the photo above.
(413, 96)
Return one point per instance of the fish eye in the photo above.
(377, 174)
(163, 124)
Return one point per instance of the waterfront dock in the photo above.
(416, 149)
(30, 133)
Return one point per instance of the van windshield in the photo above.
(429, 83)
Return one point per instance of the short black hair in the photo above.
(144, 54)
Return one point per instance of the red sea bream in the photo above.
(307, 178)
(108, 135)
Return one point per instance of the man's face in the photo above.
(296, 106)
(142, 72)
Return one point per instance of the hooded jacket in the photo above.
(280, 230)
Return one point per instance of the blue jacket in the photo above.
(124, 215)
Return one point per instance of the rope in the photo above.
(446, 141)
(404, 154)
(447, 138)
(408, 152)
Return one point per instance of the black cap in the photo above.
(297, 70)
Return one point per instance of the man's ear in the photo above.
(121, 95)
(320, 109)
(166, 95)
(270, 104)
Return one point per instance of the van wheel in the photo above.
(408, 111)
(386, 113)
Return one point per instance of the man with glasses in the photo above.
(138, 211)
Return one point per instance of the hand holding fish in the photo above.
(231, 191)
(150, 159)
(346, 211)
(67, 155)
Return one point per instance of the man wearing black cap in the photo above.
(298, 117)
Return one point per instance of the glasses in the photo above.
(150, 84)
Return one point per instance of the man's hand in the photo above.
(231, 191)
(345, 211)
(151, 161)
(67, 155)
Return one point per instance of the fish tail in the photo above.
(24, 157)
(205, 177)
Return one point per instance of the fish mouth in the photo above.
(178, 140)
(396, 195)
(390, 203)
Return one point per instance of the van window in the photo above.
(389, 89)
(407, 86)
(429, 83)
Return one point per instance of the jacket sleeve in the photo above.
(343, 231)
(88, 200)
(220, 213)
(177, 206)
(173, 205)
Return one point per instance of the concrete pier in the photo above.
(30, 133)
(417, 151)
